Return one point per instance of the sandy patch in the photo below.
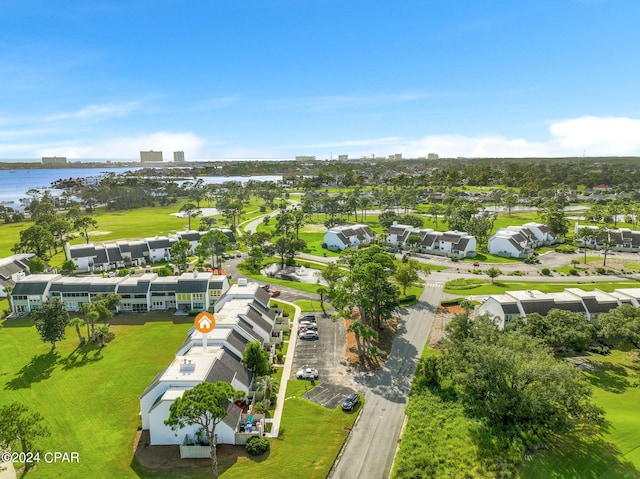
(99, 233)
(204, 212)
(314, 228)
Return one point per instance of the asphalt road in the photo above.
(372, 444)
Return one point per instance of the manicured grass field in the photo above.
(482, 286)
(89, 398)
(308, 306)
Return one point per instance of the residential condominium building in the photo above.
(242, 315)
(453, 244)
(342, 237)
(520, 241)
(104, 257)
(197, 291)
(504, 308)
(618, 239)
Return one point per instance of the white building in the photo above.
(520, 241)
(342, 237)
(506, 307)
(454, 244)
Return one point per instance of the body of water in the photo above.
(14, 184)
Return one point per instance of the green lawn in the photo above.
(614, 454)
(484, 286)
(308, 306)
(89, 397)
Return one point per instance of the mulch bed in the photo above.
(383, 343)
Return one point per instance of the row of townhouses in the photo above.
(520, 241)
(454, 244)
(12, 269)
(509, 306)
(243, 314)
(619, 239)
(197, 291)
(103, 257)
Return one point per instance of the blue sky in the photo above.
(279, 78)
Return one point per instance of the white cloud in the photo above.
(589, 136)
(129, 147)
(93, 111)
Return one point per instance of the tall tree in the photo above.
(204, 405)
(256, 359)
(214, 243)
(84, 224)
(621, 325)
(51, 320)
(407, 274)
(78, 323)
(37, 240)
(552, 214)
(190, 210)
(20, 426)
(180, 252)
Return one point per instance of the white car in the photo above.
(309, 335)
(307, 373)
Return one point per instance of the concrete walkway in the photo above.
(286, 373)
(7, 471)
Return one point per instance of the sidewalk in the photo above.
(7, 471)
(286, 373)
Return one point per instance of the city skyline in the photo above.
(283, 78)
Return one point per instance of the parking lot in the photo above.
(327, 354)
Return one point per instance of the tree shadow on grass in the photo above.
(38, 369)
(610, 377)
(82, 355)
(581, 454)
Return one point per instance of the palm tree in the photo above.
(268, 386)
(322, 291)
(357, 327)
(102, 332)
(92, 317)
(78, 323)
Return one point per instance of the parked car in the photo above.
(308, 335)
(238, 254)
(307, 373)
(475, 263)
(308, 317)
(307, 324)
(266, 287)
(310, 327)
(350, 402)
(275, 293)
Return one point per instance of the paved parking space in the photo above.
(327, 354)
(328, 395)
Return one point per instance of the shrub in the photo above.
(601, 271)
(257, 445)
(545, 271)
(408, 298)
(567, 249)
(573, 272)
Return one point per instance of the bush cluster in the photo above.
(257, 445)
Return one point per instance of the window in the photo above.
(184, 297)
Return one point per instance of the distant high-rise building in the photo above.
(178, 156)
(343, 157)
(151, 156)
(54, 160)
(432, 156)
